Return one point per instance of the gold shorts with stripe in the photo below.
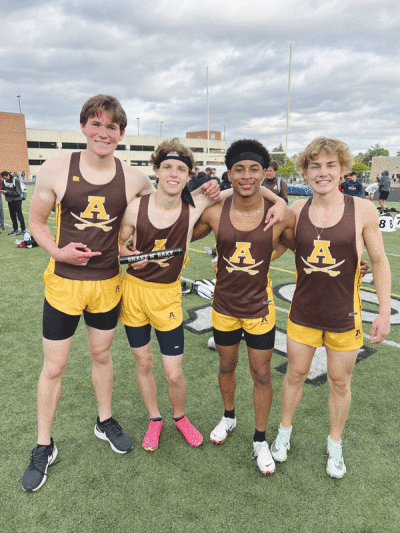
(255, 326)
(72, 296)
(144, 302)
(340, 342)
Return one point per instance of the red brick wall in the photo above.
(203, 135)
(13, 145)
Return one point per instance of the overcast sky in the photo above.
(152, 56)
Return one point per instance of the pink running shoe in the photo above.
(150, 441)
(191, 434)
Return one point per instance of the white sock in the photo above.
(285, 430)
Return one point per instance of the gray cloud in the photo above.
(345, 74)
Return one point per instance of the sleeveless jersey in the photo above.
(243, 289)
(150, 239)
(91, 214)
(327, 293)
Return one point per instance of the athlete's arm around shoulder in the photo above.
(50, 187)
(367, 222)
(283, 233)
(136, 182)
(128, 225)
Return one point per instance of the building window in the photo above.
(74, 146)
(212, 136)
(36, 162)
(42, 144)
(139, 163)
(197, 150)
(141, 148)
(121, 147)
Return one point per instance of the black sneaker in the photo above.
(111, 431)
(15, 232)
(36, 473)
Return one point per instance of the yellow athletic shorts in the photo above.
(340, 342)
(72, 296)
(255, 326)
(158, 304)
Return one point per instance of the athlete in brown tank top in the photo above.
(243, 266)
(91, 213)
(92, 189)
(332, 230)
(241, 303)
(327, 258)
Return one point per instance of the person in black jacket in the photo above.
(352, 186)
(11, 188)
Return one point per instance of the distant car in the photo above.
(299, 190)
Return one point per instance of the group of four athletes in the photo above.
(102, 202)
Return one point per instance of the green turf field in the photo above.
(179, 489)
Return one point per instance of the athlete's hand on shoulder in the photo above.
(75, 253)
(380, 329)
(211, 190)
(276, 213)
(364, 266)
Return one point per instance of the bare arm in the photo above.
(381, 271)
(277, 212)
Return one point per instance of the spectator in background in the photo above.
(275, 184)
(370, 190)
(384, 189)
(1, 205)
(352, 186)
(198, 180)
(11, 188)
(225, 183)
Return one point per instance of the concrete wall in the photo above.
(381, 163)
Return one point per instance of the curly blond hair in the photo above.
(330, 146)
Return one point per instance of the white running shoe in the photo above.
(220, 432)
(281, 445)
(265, 462)
(335, 467)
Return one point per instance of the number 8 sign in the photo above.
(386, 223)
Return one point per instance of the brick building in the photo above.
(13, 146)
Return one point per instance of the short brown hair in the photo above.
(171, 145)
(105, 102)
(330, 146)
(274, 164)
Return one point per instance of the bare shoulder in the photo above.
(366, 212)
(297, 206)
(137, 183)
(212, 212)
(53, 175)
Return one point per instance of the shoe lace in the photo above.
(335, 453)
(282, 440)
(113, 429)
(257, 449)
(38, 460)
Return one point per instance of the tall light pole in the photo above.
(161, 123)
(288, 104)
(138, 118)
(19, 102)
(208, 122)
